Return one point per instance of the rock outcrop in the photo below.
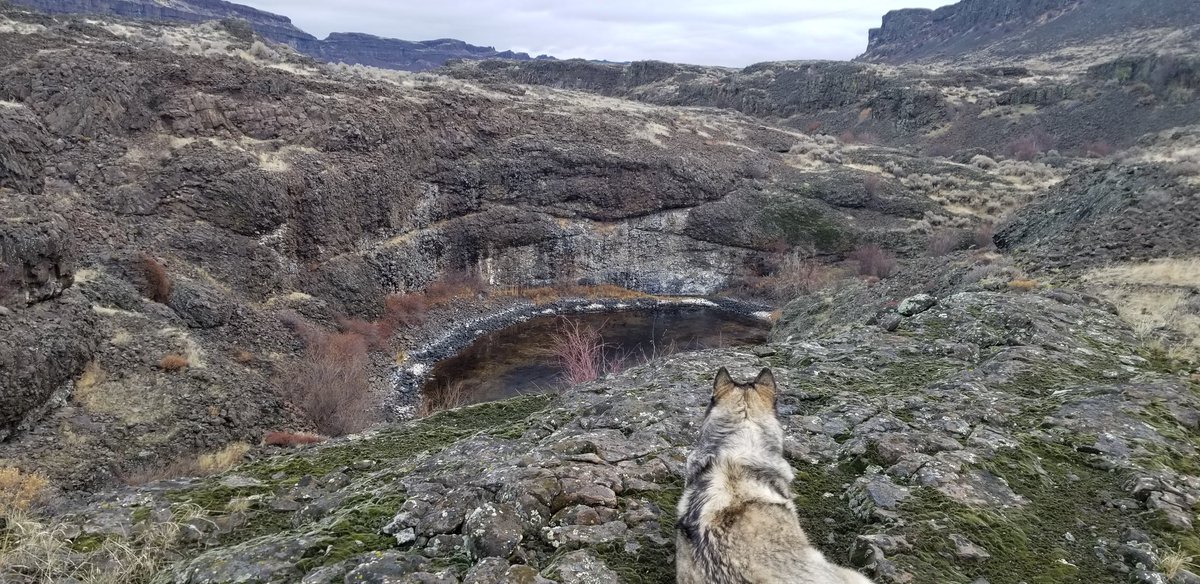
(1000, 29)
(988, 437)
(342, 47)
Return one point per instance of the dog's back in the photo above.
(737, 522)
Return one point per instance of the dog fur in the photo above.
(737, 523)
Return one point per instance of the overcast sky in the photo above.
(707, 32)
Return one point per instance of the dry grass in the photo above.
(447, 397)
(1024, 285)
(173, 362)
(289, 439)
(223, 459)
(1158, 300)
(193, 466)
(35, 551)
(157, 282)
(1174, 561)
(549, 294)
(19, 490)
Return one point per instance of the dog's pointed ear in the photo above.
(723, 384)
(765, 379)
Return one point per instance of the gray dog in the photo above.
(737, 522)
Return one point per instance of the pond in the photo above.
(521, 359)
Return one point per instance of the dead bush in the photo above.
(19, 490)
(984, 237)
(173, 362)
(157, 282)
(329, 384)
(290, 439)
(1098, 149)
(446, 397)
(874, 261)
(244, 357)
(1029, 146)
(454, 285)
(945, 241)
(407, 310)
(580, 351)
(377, 334)
(873, 184)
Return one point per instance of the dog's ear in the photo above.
(765, 389)
(723, 384)
(765, 380)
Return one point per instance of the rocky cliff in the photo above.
(1003, 29)
(185, 211)
(351, 48)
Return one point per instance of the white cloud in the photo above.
(731, 32)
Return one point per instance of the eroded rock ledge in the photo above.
(997, 435)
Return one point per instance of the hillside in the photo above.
(342, 47)
(226, 269)
(1052, 33)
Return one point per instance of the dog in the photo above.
(737, 522)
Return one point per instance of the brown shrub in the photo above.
(945, 241)
(580, 351)
(289, 439)
(812, 127)
(873, 184)
(244, 357)
(158, 283)
(984, 237)
(874, 261)
(1023, 285)
(1098, 149)
(19, 490)
(447, 397)
(454, 285)
(1029, 146)
(377, 334)
(329, 384)
(173, 362)
(407, 310)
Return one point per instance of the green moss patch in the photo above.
(1049, 540)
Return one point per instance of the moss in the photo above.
(653, 562)
(805, 226)
(88, 543)
(140, 514)
(357, 531)
(1027, 543)
(397, 445)
(824, 514)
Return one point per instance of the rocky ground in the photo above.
(973, 434)
(174, 196)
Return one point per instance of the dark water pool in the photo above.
(519, 359)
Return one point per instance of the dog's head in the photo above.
(754, 401)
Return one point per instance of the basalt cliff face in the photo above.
(184, 209)
(1065, 75)
(1000, 30)
(350, 48)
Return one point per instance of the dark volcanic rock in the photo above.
(41, 349)
(343, 47)
(1113, 213)
(1016, 27)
